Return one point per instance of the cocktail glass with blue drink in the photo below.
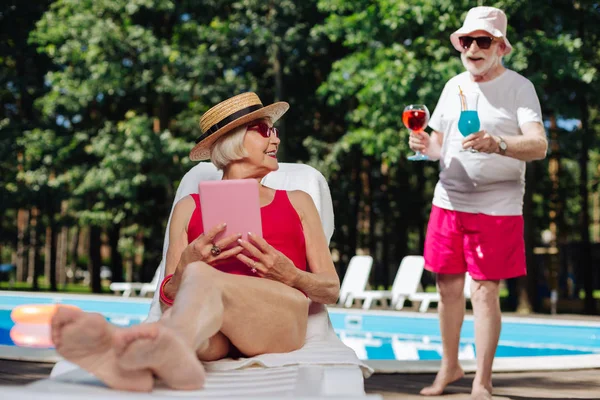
(468, 122)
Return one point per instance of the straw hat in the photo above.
(230, 114)
(489, 19)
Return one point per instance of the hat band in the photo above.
(236, 115)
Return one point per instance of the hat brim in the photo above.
(273, 111)
(480, 26)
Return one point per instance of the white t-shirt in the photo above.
(478, 182)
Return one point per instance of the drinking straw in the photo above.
(463, 101)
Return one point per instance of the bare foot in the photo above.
(443, 378)
(160, 349)
(481, 393)
(86, 339)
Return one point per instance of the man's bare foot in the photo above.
(481, 393)
(159, 348)
(86, 339)
(443, 378)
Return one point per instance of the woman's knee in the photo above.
(217, 348)
(196, 270)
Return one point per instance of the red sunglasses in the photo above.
(483, 42)
(265, 130)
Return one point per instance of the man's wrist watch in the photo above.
(502, 146)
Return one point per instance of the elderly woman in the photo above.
(217, 301)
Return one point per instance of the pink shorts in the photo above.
(488, 247)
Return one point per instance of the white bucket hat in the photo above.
(489, 19)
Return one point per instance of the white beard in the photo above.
(483, 67)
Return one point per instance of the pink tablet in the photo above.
(233, 201)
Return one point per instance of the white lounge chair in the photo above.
(406, 283)
(131, 288)
(356, 279)
(324, 368)
(426, 298)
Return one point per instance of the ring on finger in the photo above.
(253, 270)
(215, 250)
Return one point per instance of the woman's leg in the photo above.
(86, 339)
(261, 315)
(214, 311)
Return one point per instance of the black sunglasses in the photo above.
(483, 42)
(265, 130)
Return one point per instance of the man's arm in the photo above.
(532, 145)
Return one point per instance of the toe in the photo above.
(62, 317)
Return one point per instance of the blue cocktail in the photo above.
(468, 122)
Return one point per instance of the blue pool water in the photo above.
(389, 336)
(120, 312)
(373, 335)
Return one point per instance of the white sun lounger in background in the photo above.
(356, 279)
(131, 288)
(406, 282)
(324, 368)
(426, 298)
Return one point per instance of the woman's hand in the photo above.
(268, 262)
(205, 249)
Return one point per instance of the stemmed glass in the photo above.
(468, 122)
(415, 117)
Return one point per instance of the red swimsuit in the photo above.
(281, 228)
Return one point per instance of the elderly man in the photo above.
(476, 222)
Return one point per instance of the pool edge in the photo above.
(28, 354)
(501, 364)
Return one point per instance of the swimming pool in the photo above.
(386, 337)
(381, 337)
(32, 342)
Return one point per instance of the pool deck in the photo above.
(579, 384)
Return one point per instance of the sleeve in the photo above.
(435, 122)
(528, 105)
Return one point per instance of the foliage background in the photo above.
(100, 103)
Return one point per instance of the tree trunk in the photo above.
(586, 248)
(32, 274)
(586, 256)
(152, 253)
(72, 269)
(116, 261)
(61, 259)
(387, 235)
(50, 262)
(351, 243)
(527, 285)
(95, 259)
(552, 254)
(138, 255)
(22, 227)
(48, 256)
(420, 215)
(278, 75)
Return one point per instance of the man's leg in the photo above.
(451, 310)
(487, 315)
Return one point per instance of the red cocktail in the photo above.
(415, 117)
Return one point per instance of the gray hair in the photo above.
(229, 148)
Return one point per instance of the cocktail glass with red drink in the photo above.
(415, 117)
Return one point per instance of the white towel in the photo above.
(322, 346)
